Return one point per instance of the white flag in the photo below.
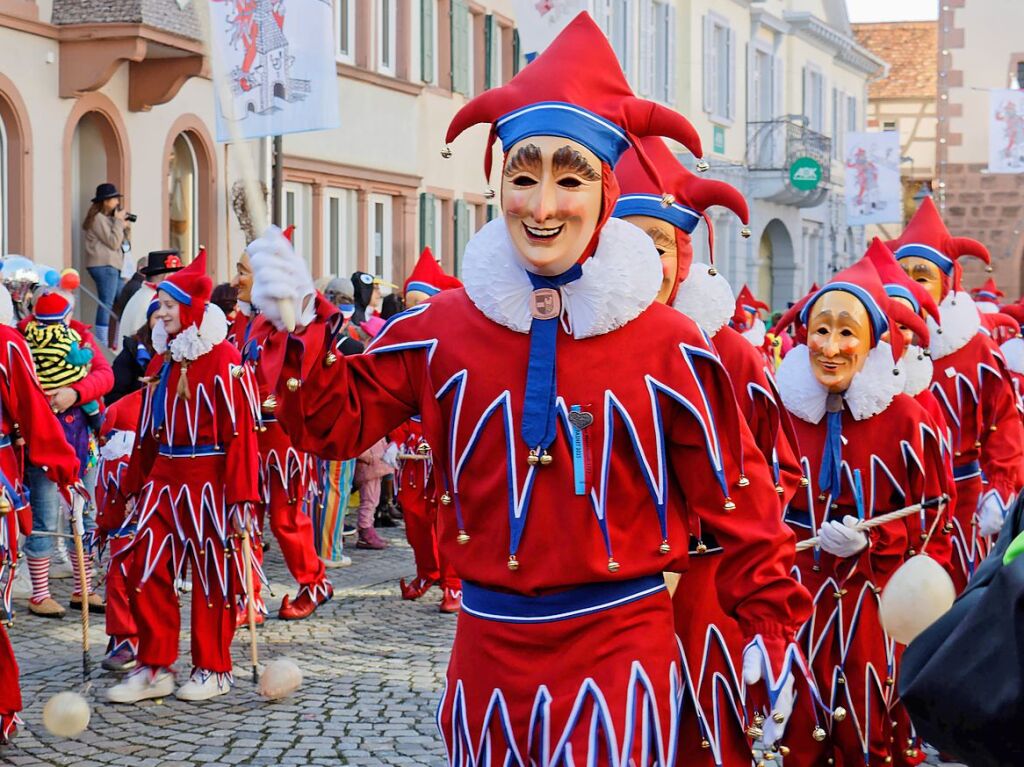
(1006, 131)
(273, 61)
(540, 21)
(873, 191)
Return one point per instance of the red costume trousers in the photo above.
(10, 691)
(968, 547)
(713, 651)
(119, 619)
(156, 609)
(293, 530)
(420, 516)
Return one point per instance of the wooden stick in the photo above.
(867, 524)
(412, 457)
(250, 602)
(77, 529)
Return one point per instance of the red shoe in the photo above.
(451, 600)
(370, 539)
(306, 602)
(416, 588)
(242, 618)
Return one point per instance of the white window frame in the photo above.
(387, 37)
(297, 214)
(621, 26)
(383, 268)
(4, 189)
(664, 76)
(814, 101)
(719, 88)
(762, 98)
(345, 50)
(347, 231)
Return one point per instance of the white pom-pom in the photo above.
(916, 596)
(280, 678)
(66, 715)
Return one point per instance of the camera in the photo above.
(131, 218)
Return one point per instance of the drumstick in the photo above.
(867, 524)
(250, 602)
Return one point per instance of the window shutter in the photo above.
(753, 88)
(730, 71)
(427, 8)
(489, 30)
(670, 78)
(515, 52)
(428, 226)
(806, 102)
(492, 212)
(709, 65)
(778, 89)
(462, 231)
(460, 46)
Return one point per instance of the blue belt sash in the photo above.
(482, 602)
(966, 471)
(5, 440)
(190, 451)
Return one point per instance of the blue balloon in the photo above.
(52, 278)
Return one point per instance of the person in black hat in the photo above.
(106, 233)
(159, 263)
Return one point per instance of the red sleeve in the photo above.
(1002, 440)
(101, 377)
(30, 410)
(146, 447)
(241, 448)
(754, 582)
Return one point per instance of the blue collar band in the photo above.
(556, 118)
(175, 292)
(681, 217)
(879, 320)
(917, 250)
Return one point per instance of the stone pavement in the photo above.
(373, 667)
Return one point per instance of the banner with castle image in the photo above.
(274, 67)
(1006, 131)
(873, 178)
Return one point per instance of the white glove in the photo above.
(279, 273)
(390, 456)
(991, 513)
(754, 664)
(841, 539)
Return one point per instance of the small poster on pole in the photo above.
(873, 191)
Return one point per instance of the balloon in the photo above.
(52, 278)
(916, 596)
(70, 279)
(66, 715)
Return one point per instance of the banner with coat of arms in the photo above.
(1006, 131)
(274, 65)
(873, 190)
(540, 21)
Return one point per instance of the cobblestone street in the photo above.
(373, 667)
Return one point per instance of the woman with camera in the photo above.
(106, 226)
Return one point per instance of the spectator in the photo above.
(130, 363)
(159, 264)
(106, 229)
(225, 296)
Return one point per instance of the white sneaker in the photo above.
(345, 561)
(183, 585)
(203, 685)
(142, 684)
(22, 588)
(60, 563)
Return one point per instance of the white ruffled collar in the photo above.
(871, 390)
(193, 342)
(756, 333)
(1013, 353)
(619, 281)
(986, 307)
(706, 298)
(960, 323)
(917, 368)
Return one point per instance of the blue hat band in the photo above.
(879, 320)
(986, 294)
(555, 118)
(59, 317)
(901, 291)
(422, 287)
(679, 216)
(175, 292)
(940, 259)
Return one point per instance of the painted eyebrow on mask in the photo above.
(527, 158)
(569, 159)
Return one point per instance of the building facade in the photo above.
(979, 50)
(904, 101)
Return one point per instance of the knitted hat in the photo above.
(191, 287)
(52, 306)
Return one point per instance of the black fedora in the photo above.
(162, 262)
(105, 192)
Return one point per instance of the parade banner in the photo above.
(873, 178)
(273, 61)
(1006, 131)
(540, 21)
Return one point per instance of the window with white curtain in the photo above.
(380, 242)
(345, 30)
(621, 34)
(761, 98)
(814, 98)
(341, 232)
(387, 21)
(664, 52)
(719, 69)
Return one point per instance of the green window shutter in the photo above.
(515, 52)
(463, 227)
(460, 47)
(428, 226)
(427, 9)
(492, 212)
(489, 30)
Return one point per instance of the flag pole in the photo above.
(277, 181)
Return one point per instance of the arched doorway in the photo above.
(777, 264)
(189, 201)
(15, 173)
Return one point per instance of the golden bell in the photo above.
(778, 718)
(841, 680)
(423, 448)
(237, 371)
(745, 233)
(330, 358)
(546, 459)
(667, 200)
(462, 538)
(533, 459)
(270, 403)
(729, 505)
(446, 499)
(613, 566)
(769, 757)
(977, 445)
(993, 427)
(701, 547)
(804, 482)
(780, 489)
(754, 732)
(293, 384)
(890, 682)
(712, 272)
(5, 504)
(664, 548)
(758, 719)
(818, 734)
(705, 743)
(513, 563)
(446, 152)
(839, 713)
(489, 194)
(703, 166)
(784, 750)
(742, 481)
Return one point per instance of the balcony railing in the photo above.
(773, 145)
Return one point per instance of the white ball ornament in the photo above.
(66, 715)
(916, 596)
(280, 678)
